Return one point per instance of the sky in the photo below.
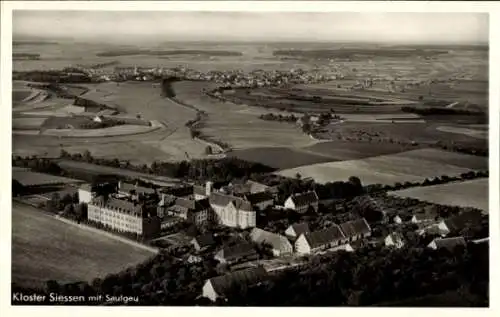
(123, 26)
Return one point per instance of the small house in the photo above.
(241, 252)
(394, 240)
(320, 240)
(295, 230)
(303, 202)
(356, 229)
(447, 243)
(202, 242)
(219, 286)
(260, 200)
(280, 245)
(461, 221)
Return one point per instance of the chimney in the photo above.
(208, 188)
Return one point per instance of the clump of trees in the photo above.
(372, 276)
(280, 118)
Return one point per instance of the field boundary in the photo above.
(109, 235)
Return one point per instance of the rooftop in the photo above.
(325, 236)
(304, 199)
(250, 276)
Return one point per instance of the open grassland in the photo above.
(44, 248)
(238, 125)
(472, 193)
(389, 169)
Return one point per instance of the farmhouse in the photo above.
(320, 240)
(241, 252)
(356, 229)
(202, 242)
(217, 287)
(459, 222)
(395, 240)
(295, 230)
(124, 216)
(448, 243)
(279, 244)
(303, 202)
(233, 211)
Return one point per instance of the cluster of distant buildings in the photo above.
(232, 78)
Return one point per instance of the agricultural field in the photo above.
(27, 123)
(416, 165)
(93, 169)
(168, 139)
(238, 125)
(29, 178)
(471, 193)
(330, 151)
(420, 133)
(45, 248)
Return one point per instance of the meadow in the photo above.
(471, 193)
(44, 248)
(415, 165)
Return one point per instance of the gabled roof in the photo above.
(325, 236)
(304, 199)
(239, 250)
(396, 236)
(126, 187)
(219, 199)
(257, 198)
(249, 277)
(277, 242)
(204, 240)
(460, 221)
(199, 190)
(300, 228)
(121, 205)
(422, 216)
(192, 205)
(449, 243)
(355, 227)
